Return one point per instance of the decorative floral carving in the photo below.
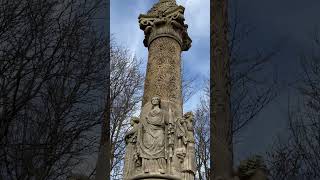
(163, 76)
(165, 19)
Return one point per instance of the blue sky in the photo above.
(289, 21)
(125, 30)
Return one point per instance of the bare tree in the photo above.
(252, 77)
(298, 157)
(126, 93)
(188, 84)
(238, 82)
(53, 79)
(52, 71)
(249, 96)
(202, 136)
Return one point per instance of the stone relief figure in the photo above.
(189, 165)
(131, 156)
(186, 146)
(152, 138)
(182, 139)
(171, 140)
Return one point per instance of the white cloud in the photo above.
(197, 14)
(125, 28)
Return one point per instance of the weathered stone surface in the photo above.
(165, 19)
(163, 5)
(131, 157)
(163, 77)
(160, 144)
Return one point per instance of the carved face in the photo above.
(155, 101)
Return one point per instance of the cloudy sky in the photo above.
(288, 22)
(125, 30)
(292, 23)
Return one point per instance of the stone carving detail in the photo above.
(165, 19)
(164, 5)
(132, 161)
(187, 156)
(152, 138)
(163, 76)
(161, 142)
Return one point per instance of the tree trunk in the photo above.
(221, 125)
(103, 168)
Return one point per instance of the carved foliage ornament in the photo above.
(163, 77)
(165, 19)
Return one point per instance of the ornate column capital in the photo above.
(165, 19)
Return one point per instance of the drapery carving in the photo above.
(161, 142)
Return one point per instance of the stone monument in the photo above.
(160, 144)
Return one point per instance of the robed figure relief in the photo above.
(131, 156)
(186, 146)
(189, 165)
(152, 138)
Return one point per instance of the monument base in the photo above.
(155, 177)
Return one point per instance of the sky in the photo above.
(292, 24)
(289, 23)
(125, 30)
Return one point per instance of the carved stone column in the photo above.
(165, 36)
(161, 144)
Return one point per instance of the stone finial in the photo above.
(163, 6)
